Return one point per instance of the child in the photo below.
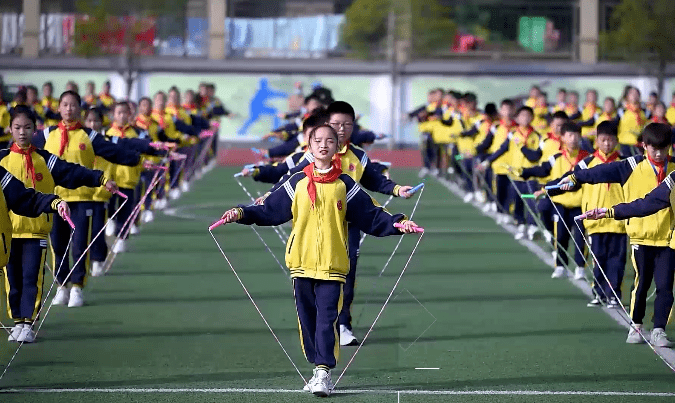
(607, 237)
(670, 114)
(631, 121)
(572, 106)
(586, 119)
(659, 113)
(42, 171)
(541, 113)
(73, 143)
(566, 205)
(320, 200)
(425, 115)
(638, 175)
(522, 148)
(466, 142)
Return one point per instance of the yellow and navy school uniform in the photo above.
(670, 114)
(466, 145)
(540, 121)
(493, 141)
(632, 120)
(606, 236)
(567, 204)
(273, 172)
(445, 134)
(42, 171)
(425, 128)
(573, 112)
(587, 122)
(105, 102)
(531, 102)
(650, 235)
(521, 150)
(658, 265)
(316, 254)
(50, 106)
(4, 118)
(79, 145)
(148, 128)
(19, 200)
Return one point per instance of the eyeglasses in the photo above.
(337, 125)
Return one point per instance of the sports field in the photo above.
(475, 318)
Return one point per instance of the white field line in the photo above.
(346, 391)
(616, 314)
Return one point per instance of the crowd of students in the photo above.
(612, 162)
(102, 158)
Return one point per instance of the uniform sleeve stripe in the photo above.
(289, 190)
(45, 132)
(309, 157)
(583, 165)
(551, 160)
(6, 179)
(289, 162)
(51, 162)
(364, 160)
(352, 192)
(93, 135)
(114, 139)
(632, 162)
(669, 182)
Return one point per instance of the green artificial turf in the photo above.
(473, 303)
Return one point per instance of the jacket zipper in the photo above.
(4, 243)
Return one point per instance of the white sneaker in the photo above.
(134, 229)
(479, 196)
(27, 335)
(434, 171)
(76, 297)
(174, 194)
(185, 186)
(531, 232)
(147, 216)
(119, 246)
(347, 338)
(579, 273)
(548, 236)
(110, 228)
(16, 331)
(659, 338)
(468, 198)
(635, 335)
(521, 232)
(160, 204)
(97, 269)
(559, 272)
(423, 172)
(493, 207)
(595, 302)
(321, 383)
(487, 208)
(451, 171)
(613, 304)
(62, 296)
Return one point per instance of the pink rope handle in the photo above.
(120, 194)
(216, 224)
(69, 221)
(415, 229)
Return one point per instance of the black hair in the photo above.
(95, 110)
(455, 94)
(653, 94)
(506, 101)
(317, 118)
(611, 99)
(22, 110)
(121, 103)
(575, 93)
(314, 130)
(607, 127)
(562, 90)
(560, 115)
(535, 87)
(525, 109)
(107, 82)
(310, 97)
(32, 88)
(593, 90)
(145, 99)
(341, 107)
(48, 84)
(20, 96)
(657, 135)
(73, 94)
(491, 109)
(570, 127)
(174, 88)
(470, 97)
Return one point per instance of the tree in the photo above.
(643, 30)
(423, 24)
(121, 28)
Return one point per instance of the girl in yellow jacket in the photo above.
(320, 200)
(42, 171)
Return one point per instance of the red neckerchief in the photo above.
(660, 168)
(657, 119)
(28, 157)
(171, 110)
(672, 104)
(159, 117)
(552, 136)
(329, 177)
(592, 107)
(65, 128)
(581, 154)
(90, 99)
(122, 130)
(509, 124)
(143, 121)
(190, 107)
(636, 110)
(605, 160)
(571, 109)
(530, 129)
(107, 97)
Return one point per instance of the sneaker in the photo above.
(174, 194)
(595, 302)
(532, 231)
(559, 272)
(147, 216)
(134, 229)
(579, 273)
(97, 269)
(548, 236)
(185, 187)
(434, 171)
(468, 198)
(487, 208)
(659, 338)
(493, 207)
(16, 331)
(321, 384)
(76, 297)
(27, 334)
(62, 296)
(119, 246)
(480, 197)
(110, 228)
(347, 338)
(160, 204)
(520, 234)
(613, 304)
(635, 335)
(451, 171)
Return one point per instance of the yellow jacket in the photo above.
(601, 195)
(555, 167)
(49, 171)
(520, 149)
(501, 135)
(447, 130)
(317, 246)
(630, 126)
(127, 177)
